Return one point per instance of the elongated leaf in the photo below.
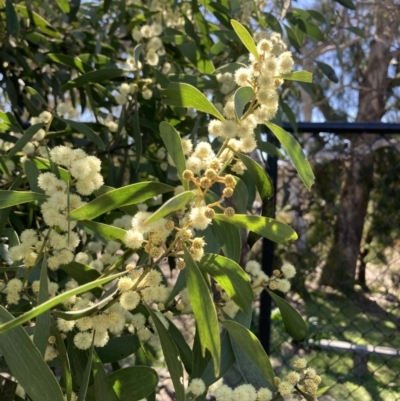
(85, 130)
(250, 372)
(294, 323)
(173, 143)
(295, 153)
(245, 37)
(90, 310)
(25, 138)
(98, 76)
(260, 177)
(117, 198)
(12, 198)
(64, 361)
(32, 174)
(26, 363)
(242, 96)
(204, 311)
(356, 30)
(232, 67)
(133, 383)
(264, 226)
(35, 94)
(227, 361)
(300, 76)
(178, 287)
(231, 277)
(118, 348)
(83, 385)
(229, 239)
(51, 303)
(12, 23)
(45, 164)
(73, 62)
(347, 3)
(265, 189)
(102, 385)
(241, 196)
(64, 5)
(249, 343)
(104, 230)
(38, 20)
(185, 95)
(172, 205)
(171, 354)
(184, 350)
(42, 326)
(328, 71)
(82, 274)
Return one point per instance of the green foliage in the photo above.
(113, 118)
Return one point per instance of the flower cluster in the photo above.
(303, 381)
(154, 45)
(83, 168)
(263, 76)
(278, 281)
(242, 392)
(123, 96)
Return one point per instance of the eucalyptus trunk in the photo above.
(341, 265)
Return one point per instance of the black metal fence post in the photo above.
(268, 260)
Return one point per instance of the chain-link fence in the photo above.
(348, 261)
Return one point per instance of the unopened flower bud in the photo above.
(205, 182)
(209, 213)
(230, 181)
(276, 273)
(227, 192)
(229, 211)
(180, 264)
(169, 225)
(187, 175)
(210, 173)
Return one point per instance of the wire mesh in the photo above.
(348, 262)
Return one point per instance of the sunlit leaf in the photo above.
(204, 311)
(231, 277)
(295, 152)
(300, 76)
(172, 205)
(73, 62)
(117, 198)
(173, 143)
(52, 302)
(104, 230)
(245, 37)
(264, 226)
(185, 95)
(38, 21)
(12, 198)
